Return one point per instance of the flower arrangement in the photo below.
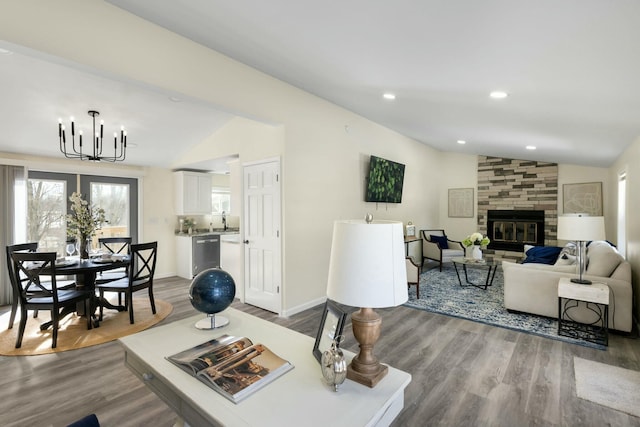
(84, 220)
(476, 239)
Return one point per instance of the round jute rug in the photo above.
(73, 333)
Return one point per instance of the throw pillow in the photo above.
(603, 259)
(542, 254)
(565, 259)
(440, 240)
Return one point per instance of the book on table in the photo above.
(233, 366)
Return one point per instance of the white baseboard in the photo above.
(303, 307)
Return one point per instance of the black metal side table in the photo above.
(596, 298)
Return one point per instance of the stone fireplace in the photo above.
(506, 186)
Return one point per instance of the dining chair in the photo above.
(15, 277)
(34, 295)
(140, 276)
(114, 245)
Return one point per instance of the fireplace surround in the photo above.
(510, 230)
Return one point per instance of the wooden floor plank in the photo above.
(464, 373)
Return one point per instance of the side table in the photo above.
(596, 298)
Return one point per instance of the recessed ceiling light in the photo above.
(530, 147)
(175, 99)
(5, 52)
(498, 94)
(389, 96)
(461, 142)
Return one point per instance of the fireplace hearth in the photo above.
(510, 230)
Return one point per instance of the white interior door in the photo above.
(262, 250)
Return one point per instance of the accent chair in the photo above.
(436, 246)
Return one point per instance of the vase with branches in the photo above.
(83, 221)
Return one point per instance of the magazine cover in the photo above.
(233, 366)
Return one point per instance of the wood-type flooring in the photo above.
(464, 374)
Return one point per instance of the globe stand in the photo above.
(212, 322)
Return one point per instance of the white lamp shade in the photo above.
(580, 227)
(367, 267)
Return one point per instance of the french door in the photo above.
(48, 203)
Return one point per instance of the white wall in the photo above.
(461, 172)
(629, 161)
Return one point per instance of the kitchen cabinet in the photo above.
(192, 193)
(232, 261)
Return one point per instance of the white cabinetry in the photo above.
(192, 193)
(184, 257)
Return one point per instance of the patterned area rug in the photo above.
(440, 292)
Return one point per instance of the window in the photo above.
(220, 200)
(48, 202)
(622, 214)
(119, 198)
(47, 196)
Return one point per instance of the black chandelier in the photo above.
(95, 154)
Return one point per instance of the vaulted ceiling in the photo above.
(570, 70)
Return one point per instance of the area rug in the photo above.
(73, 333)
(607, 385)
(440, 292)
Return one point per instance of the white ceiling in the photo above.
(571, 68)
(37, 90)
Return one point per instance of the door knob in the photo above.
(246, 242)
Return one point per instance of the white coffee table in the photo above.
(298, 398)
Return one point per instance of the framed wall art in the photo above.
(582, 198)
(461, 203)
(331, 325)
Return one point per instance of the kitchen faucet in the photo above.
(224, 221)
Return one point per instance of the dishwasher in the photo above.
(205, 253)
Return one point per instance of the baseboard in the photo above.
(303, 307)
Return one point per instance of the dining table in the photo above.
(85, 271)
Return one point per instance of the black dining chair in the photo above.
(119, 246)
(34, 295)
(140, 276)
(18, 279)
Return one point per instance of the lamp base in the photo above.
(365, 367)
(582, 281)
(368, 379)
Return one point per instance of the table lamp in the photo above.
(581, 228)
(367, 270)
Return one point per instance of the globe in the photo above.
(211, 292)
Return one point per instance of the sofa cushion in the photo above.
(440, 240)
(542, 254)
(603, 259)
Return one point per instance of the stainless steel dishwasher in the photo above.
(205, 252)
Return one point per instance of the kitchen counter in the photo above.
(208, 233)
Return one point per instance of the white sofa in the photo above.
(533, 287)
